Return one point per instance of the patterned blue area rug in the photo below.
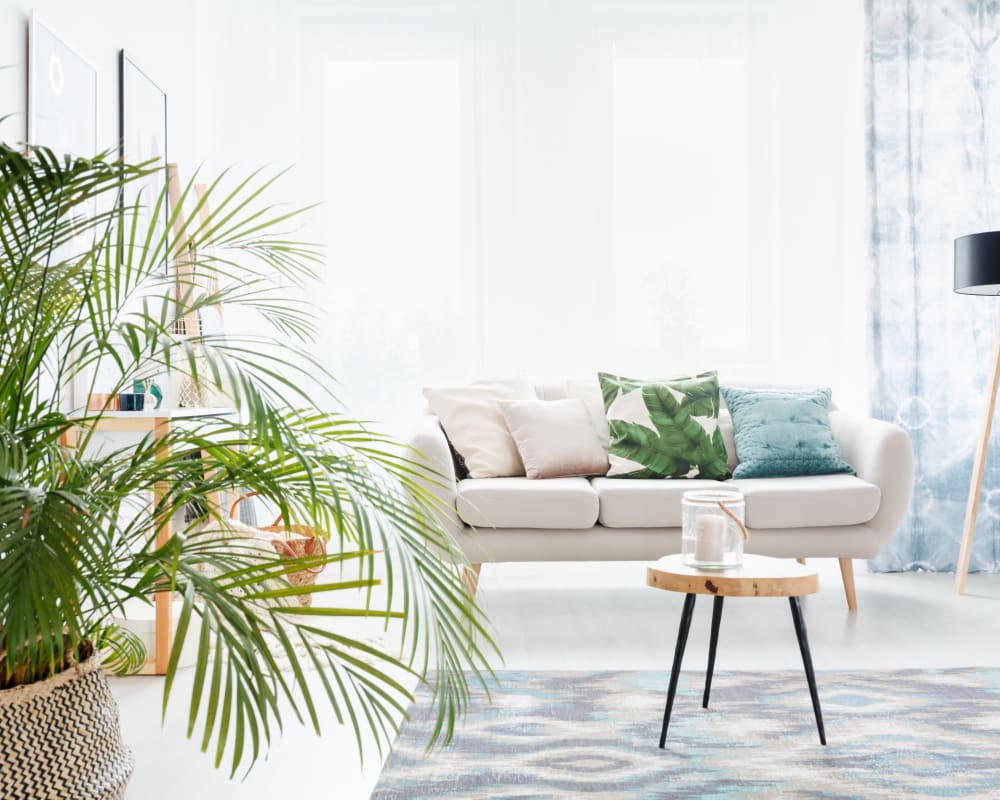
(907, 734)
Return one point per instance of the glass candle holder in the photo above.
(713, 529)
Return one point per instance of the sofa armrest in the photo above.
(882, 454)
(436, 470)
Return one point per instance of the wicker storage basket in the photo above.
(60, 739)
(293, 541)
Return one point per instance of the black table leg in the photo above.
(675, 670)
(800, 632)
(712, 644)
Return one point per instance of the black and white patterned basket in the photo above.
(60, 739)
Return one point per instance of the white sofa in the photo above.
(615, 519)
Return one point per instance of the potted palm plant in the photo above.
(83, 292)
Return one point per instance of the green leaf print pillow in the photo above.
(664, 429)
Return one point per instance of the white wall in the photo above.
(226, 67)
(168, 40)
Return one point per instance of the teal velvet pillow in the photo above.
(782, 433)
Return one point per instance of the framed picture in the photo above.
(142, 119)
(62, 94)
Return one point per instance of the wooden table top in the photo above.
(760, 576)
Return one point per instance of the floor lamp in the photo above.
(977, 271)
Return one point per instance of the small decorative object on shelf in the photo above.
(713, 531)
(148, 388)
(102, 402)
(188, 395)
(131, 402)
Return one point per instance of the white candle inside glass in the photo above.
(709, 539)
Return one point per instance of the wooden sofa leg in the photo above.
(847, 573)
(471, 577)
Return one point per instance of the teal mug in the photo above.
(131, 402)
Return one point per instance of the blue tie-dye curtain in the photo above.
(933, 96)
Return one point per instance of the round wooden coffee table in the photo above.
(760, 576)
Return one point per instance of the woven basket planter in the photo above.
(298, 547)
(289, 541)
(60, 739)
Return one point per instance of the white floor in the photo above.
(595, 617)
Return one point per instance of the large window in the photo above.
(652, 187)
(400, 281)
(681, 259)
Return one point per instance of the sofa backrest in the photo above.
(558, 389)
(554, 390)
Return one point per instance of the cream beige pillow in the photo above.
(471, 418)
(555, 438)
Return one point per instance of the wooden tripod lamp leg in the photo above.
(978, 468)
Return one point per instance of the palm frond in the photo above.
(83, 294)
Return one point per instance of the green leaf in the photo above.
(680, 445)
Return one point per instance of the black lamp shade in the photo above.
(977, 263)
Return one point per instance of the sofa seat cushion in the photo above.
(646, 503)
(526, 503)
(812, 501)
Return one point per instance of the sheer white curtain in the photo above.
(552, 187)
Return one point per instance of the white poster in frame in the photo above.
(142, 118)
(62, 94)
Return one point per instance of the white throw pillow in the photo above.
(473, 422)
(590, 393)
(555, 438)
